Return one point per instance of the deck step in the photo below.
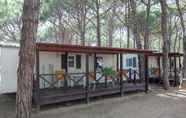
(58, 96)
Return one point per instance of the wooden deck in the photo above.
(57, 95)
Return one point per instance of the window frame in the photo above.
(78, 62)
(131, 62)
(71, 61)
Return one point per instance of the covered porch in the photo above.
(66, 85)
(156, 64)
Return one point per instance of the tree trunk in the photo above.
(147, 32)
(137, 38)
(98, 23)
(184, 36)
(127, 21)
(175, 39)
(111, 26)
(110, 31)
(83, 20)
(26, 58)
(164, 30)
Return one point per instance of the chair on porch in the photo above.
(60, 76)
(124, 73)
(99, 79)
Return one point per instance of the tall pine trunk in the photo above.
(137, 39)
(184, 36)
(98, 23)
(127, 21)
(83, 13)
(110, 31)
(164, 31)
(111, 26)
(26, 58)
(147, 31)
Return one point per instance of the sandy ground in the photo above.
(155, 104)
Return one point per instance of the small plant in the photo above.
(108, 71)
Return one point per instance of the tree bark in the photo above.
(175, 39)
(127, 21)
(98, 23)
(110, 31)
(147, 31)
(111, 26)
(184, 36)
(164, 31)
(137, 38)
(83, 14)
(26, 58)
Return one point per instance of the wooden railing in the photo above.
(79, 79)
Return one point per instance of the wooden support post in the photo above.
(87, 78)
(95, 61)
(134, 81)
(170, 65)
(66, 66)
(175, 72)
(66, 69)
(121, 73)
(180, 67)
(159, 67)
(146, 74)
(117, 63)
(37, 82)
(130, 75)
(106, 81)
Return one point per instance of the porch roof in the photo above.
(171, 54)
(52, 47)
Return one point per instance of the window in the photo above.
(78, 61)
(63, 61)
(134, 62)
(71, 61)
(131, 62)
(127, 62)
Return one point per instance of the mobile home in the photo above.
(52, 61)
(71, 72)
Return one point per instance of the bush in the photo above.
(108, 71)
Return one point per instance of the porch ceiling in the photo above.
(171, 54)
(51, 47)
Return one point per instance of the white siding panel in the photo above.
(0, 71)
(108, 60)
(49, 62)
(9, 63)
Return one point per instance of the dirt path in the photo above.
(156, 104)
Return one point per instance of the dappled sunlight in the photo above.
(177, 94)
(166, 96)
(182, 90)
(0, 83)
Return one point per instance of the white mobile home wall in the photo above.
(8, 69)
(53, 59)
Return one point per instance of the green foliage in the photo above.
(108, 71)
(69, 11)
(10, 9)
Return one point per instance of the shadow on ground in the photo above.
(157, 104)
